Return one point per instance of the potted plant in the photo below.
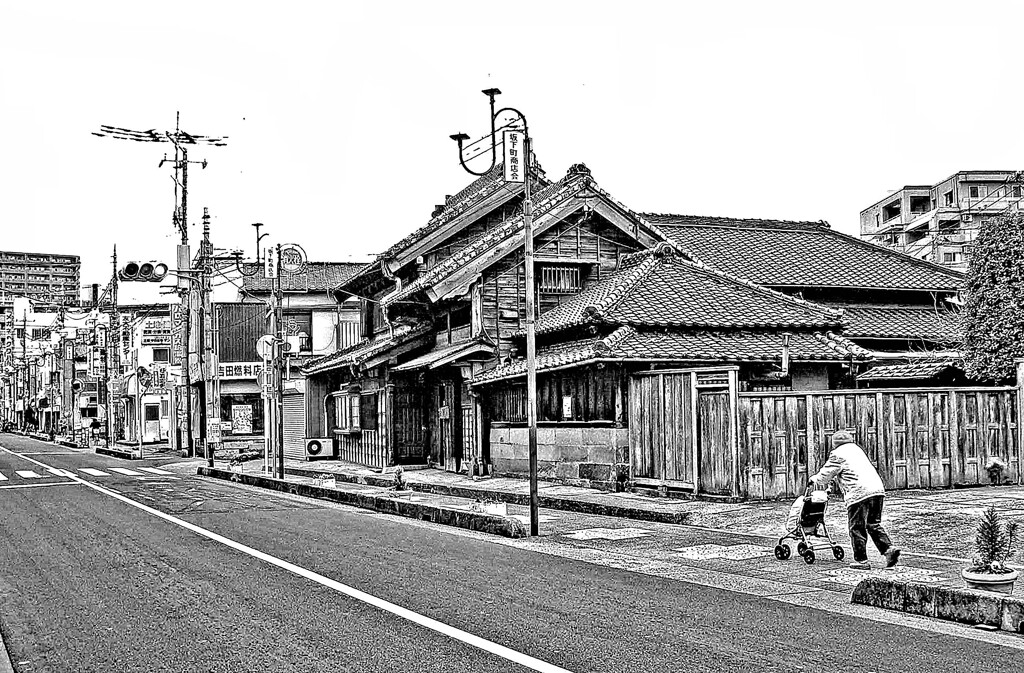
(995, 467)
(400, 487)
(993, 544)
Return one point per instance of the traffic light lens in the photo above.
(159, 271)
(131, 269)
(146, 270)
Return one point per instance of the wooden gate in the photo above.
(682, 430)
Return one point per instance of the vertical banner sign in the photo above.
(269, 267)
(513, 156)
(177, 334)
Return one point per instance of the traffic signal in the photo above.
(143, 272)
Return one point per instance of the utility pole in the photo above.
(278, 365)
(181, 141)
(114, 353)
(24, 362)
(207, 364)
(531, 313)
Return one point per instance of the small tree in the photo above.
(993, 314)
(993, 543)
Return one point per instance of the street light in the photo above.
(531, 335)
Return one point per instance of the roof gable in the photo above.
(808, 254)
(659, 287)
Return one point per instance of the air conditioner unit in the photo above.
(319, 447)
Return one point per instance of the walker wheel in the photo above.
(838, 552)
(809, 557)
(801, 548)
(782, 552)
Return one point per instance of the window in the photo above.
(947, 198)
(244, 411)
(560, 279)
(891, 211)
(977, 191)
(1016, 191)
(300, 325)
(161, 355)
(355, 411)
(951, 258)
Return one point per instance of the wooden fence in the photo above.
(917, 438)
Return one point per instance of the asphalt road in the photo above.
(89, 582)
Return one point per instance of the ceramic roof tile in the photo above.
(543, 201)
(659, 287)
(920, 322)
(627, 343)
(777, 252)
(317, 277)
(922, 369)
(365, 349)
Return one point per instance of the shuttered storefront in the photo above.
(294, 425)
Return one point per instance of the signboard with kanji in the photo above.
(514, 156)
(156, 332)
(241, 419)
(239, 370)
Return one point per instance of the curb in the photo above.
(117, 454)
(476, 521)
(966, 606)
(546, 501)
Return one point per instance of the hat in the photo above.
(841, 437)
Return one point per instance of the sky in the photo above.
(338, 115)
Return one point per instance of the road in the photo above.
(109, 571)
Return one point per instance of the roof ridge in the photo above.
(563, 189)
(608, 344)
(634, 275)
(738, 222)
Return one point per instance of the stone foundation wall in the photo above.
(577, 456)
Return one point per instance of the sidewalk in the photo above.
(926, 524)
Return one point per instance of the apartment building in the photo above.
(43, 276)
(939, 222)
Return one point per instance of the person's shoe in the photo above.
(860, 565)
(892, 557)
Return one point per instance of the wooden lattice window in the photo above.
(560, 279)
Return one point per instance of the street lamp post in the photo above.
(531, 334)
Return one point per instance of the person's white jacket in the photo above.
(854, 473)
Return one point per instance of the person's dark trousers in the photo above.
(866, 519)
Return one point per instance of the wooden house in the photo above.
(447, 302)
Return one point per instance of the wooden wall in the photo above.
(240, 326)
(917, 438)
(597, 395)
(503, 287)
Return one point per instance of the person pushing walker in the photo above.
(863, 493)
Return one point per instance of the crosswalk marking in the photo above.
(125, 471)
(28, 474)
(155, 470)
(93, 472)
(59, 472)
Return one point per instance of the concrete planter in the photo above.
(999, 582)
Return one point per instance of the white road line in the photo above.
(93, 472)
(59, 472)
(2, 477)
(154, 470)
(509, 654)
(50, 483)
(28, 474)
(126, 471)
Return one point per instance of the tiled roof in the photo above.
(627, 343)
(777, 252)
(442, 355)
(365, 349)
(922, 369)
(659, 287)
(317, 277)
(481, 188)
(905, 322)
(544, 201)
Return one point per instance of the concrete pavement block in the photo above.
(919, 599)
(881, 593)
(1012, 616)
(968, 606)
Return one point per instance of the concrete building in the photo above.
(939, 222)
(44, 276)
